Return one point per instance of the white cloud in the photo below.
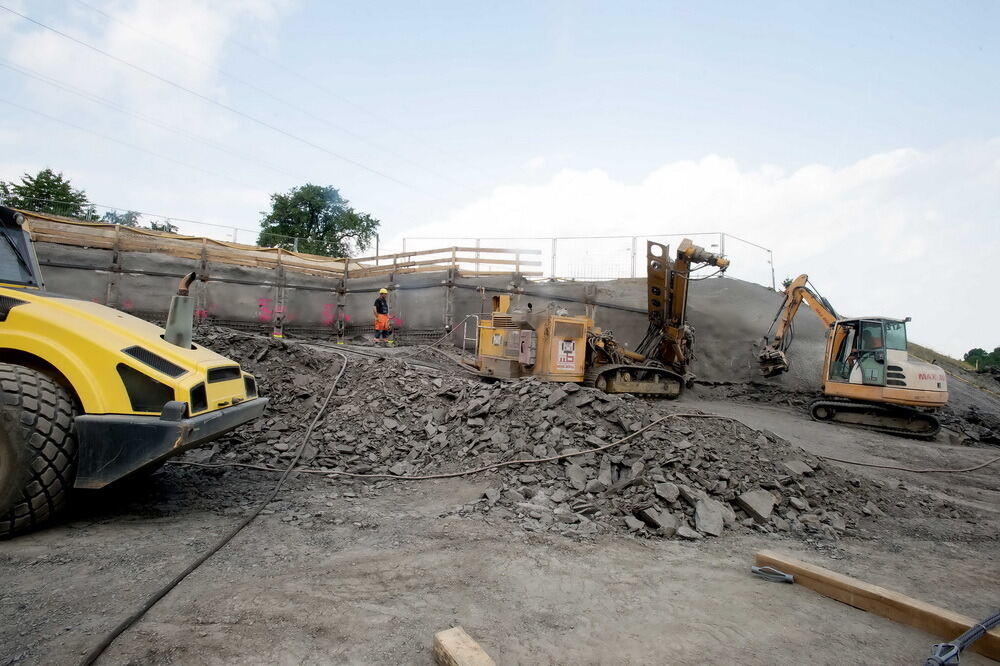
(905, 232)
(535, 163)
(145, 33)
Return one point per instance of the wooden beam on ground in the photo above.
(898, 607)
(454, 647)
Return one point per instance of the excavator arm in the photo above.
(772, 358)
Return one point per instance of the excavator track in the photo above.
(893, 419)
(642, 380)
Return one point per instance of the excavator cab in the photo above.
(867, 359)
(861, 348)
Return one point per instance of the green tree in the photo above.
(321, 220)
(129, 218)
(47, 192)
(983, 359)
(165, 225)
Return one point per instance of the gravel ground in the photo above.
(359, 571)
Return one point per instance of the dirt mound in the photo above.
(684, 475)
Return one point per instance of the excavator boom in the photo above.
(772, 358)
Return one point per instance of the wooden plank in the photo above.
(448, 251)
(87, 234)
(436, 264)
(454, 647)
(898, 607)
(475, 273)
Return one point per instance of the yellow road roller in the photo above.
(90, 395)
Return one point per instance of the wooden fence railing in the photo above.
(468, 261)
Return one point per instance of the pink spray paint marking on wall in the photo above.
(207, 313)
(264, 311)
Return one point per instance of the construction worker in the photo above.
(381, 312)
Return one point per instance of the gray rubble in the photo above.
(683, 477)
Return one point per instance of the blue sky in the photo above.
(822, 130)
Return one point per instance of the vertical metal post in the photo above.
(376, 249)
(404, 244)
(771, 261)
(553, 257)
(477, 256)
(341, 311)
(295, 244)
(449, 302)
(635, 240)
(235, 231)
(722, 243)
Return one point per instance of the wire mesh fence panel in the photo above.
(535, 250)
(610, 257)
(594, 258)
(750, 262)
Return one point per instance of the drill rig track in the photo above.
(894, 419)
(642, 380)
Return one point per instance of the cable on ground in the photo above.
(911, 469)
(106, 642)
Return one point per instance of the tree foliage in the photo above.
(165, 225)
(320, 218)
(982, 358)
(129, 218)
(47, 192)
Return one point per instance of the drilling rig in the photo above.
(553, 345)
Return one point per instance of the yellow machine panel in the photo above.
(562, 347)
(548, 346)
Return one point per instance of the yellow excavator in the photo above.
(555, 346)
(869, 378)
(90, 395)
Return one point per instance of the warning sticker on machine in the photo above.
(566, 358)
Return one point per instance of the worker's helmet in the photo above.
(383, 291)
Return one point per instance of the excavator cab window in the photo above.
(871, 336)
(895, 335)
(844, 351)
(871, 357)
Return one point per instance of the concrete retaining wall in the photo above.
(728, 315)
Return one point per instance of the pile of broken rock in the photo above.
(689, 476)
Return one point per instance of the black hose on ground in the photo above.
(947, 653)
(106, 642)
